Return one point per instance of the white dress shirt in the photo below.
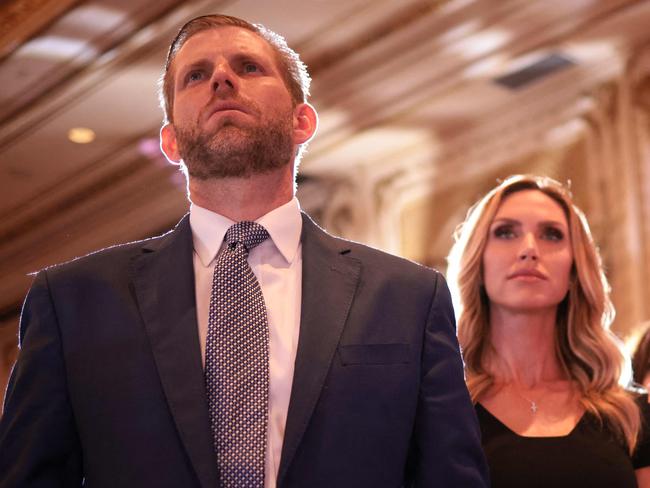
(277, 265)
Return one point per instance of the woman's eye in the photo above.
(504, 232)
(553, 234)
(251, 68)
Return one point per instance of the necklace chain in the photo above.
(533, 403)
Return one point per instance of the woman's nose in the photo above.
(528, 248)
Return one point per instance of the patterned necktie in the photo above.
(237, 362)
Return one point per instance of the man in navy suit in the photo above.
(365, 385)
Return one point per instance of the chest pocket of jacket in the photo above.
(374, 354)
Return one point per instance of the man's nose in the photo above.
(223, 79)
(528, 248)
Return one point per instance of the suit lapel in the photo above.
(163, 277)
(329, 282)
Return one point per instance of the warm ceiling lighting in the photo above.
(81, 135)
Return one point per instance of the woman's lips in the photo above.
(527, 274)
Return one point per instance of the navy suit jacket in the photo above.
(108, 386)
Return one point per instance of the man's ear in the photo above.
(305, 123)
(168, 144)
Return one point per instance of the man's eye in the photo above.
(504, 232)
(251, 68)
(193, 76)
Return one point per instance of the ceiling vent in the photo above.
(550, 63)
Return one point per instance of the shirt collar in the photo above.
(284, 225)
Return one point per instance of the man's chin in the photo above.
(225, 127)
(229, 136)
(205, 173)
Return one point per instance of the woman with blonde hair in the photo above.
(542, 366)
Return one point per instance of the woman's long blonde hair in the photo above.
(588, 352)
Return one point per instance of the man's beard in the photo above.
(235, 151)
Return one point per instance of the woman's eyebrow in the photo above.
(556, 223)
(512, 221)
(506, 220)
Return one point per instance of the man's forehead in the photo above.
(224, 39)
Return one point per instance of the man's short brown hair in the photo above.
(293, 70)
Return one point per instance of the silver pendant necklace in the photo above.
(533, 403)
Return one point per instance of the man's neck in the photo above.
(243, 198)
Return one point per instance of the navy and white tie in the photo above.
(237, 362)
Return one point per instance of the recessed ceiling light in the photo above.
(81, 135)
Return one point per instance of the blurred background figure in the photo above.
(641, 357)
(542, 366)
